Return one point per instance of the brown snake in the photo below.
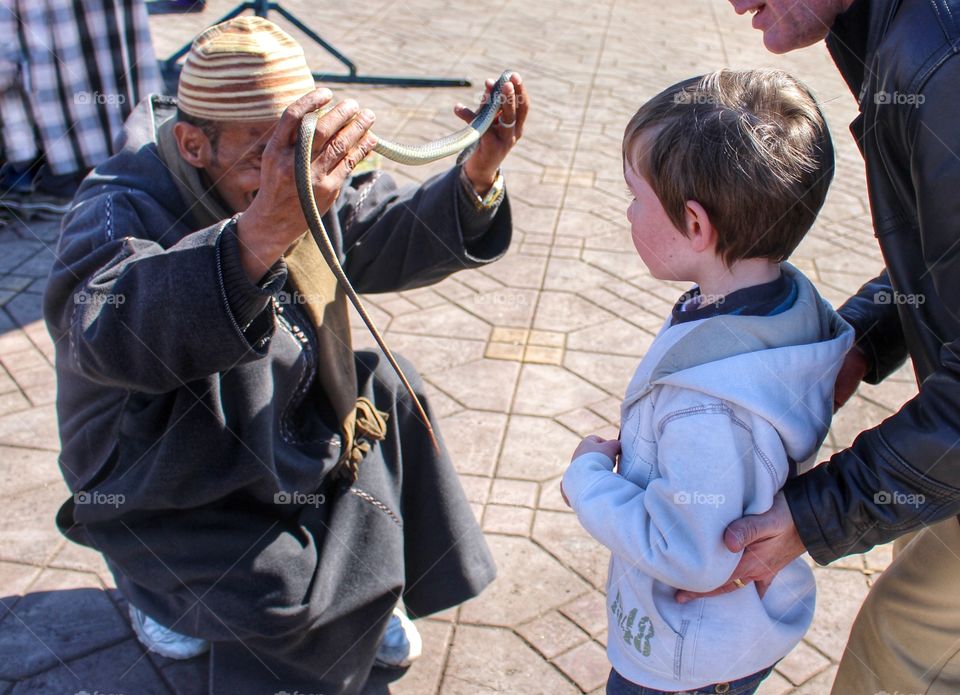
(404, 154)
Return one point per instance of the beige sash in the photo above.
(316, 288)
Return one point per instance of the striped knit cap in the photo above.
(244, 69)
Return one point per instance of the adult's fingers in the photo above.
(508, 106)
(750, 529)
(523, 104)
(285, 134)
(464, 113)
(352, 158)
(351, 131)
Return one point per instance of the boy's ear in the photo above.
(699, 230)
(193, 144)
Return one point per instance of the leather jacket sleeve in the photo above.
(875, 320)
(904, 473)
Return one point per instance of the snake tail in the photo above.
(303, 178)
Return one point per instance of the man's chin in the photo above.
(778, 43)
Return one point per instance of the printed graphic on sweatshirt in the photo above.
(637, 633)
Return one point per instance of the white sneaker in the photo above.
(162, 640)
(401, 642)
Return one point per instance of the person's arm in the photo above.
(140, 316)
(672, 529)
(400, 239)
(903, 474)
(876, 322)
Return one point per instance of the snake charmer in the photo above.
(255, 485)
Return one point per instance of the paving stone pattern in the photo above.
(522, 358)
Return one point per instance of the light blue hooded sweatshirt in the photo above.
(714, 417)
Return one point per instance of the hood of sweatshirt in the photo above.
(781, 367)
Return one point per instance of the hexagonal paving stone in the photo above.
(65, 616)
(122, 669)
(473, 439)
(535, 448)
(27, 524)
(839, 595)
(562, 535)
(552, 634)
(486, 660)
(483, 385)
(586, 665)
(548, 390)
(529, 582)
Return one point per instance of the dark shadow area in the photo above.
(79, 640)
(27, 249)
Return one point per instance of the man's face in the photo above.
(234, 166)
(791, 24)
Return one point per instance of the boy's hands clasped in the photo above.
(594, 443)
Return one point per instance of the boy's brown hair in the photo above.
(751, 146)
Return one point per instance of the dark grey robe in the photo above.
(192, 423)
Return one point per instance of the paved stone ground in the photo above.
(522, 357)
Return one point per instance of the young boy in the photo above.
(726, 173)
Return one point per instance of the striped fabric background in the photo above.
(70, 73)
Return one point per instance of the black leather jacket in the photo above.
(902, 60)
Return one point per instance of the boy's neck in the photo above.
(718, 280)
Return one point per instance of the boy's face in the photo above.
(663, 249)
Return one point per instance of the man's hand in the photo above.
(275, 218)
(851, 373)
(481, 168)
(769, 541)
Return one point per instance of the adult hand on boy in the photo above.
(769, 542)
(851, 373)
(608, 447)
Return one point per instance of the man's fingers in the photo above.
(684, 596)
(523, 104)
(508, 107)
(762, 586)
(464, 113)
(349, 161)
(344, 140)
(286, 131)
(332, 122)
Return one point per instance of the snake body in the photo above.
(403, 154)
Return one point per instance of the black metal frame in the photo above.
(171, 67)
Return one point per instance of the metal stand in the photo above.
(171, 67)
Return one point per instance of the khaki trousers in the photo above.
(906, 638)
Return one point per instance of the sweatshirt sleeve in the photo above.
(673, 529)
(145, 314)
